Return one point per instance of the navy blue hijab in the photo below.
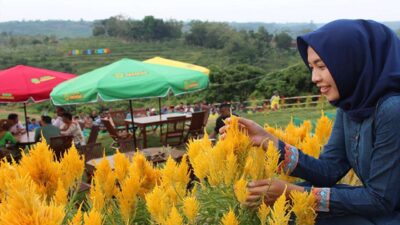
(363, 57)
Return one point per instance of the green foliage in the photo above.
(208, 34)
(292, 81)
(149, 28)
(235, 83)
(283, 40)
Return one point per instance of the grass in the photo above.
(278, 118)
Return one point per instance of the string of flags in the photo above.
(98, 51)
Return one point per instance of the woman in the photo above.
(73, 129)
(356, 65)
(5, 135)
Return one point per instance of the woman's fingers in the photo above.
(257, 183)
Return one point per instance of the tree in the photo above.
(208, 34)
(283, 40)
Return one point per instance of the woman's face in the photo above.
(321, 76)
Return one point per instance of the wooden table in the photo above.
(148, 152)
(143, 122)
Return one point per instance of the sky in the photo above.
(280, 11)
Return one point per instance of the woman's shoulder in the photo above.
(390, 105)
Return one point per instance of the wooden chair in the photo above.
(206, 116)
(60, 144)
(118, 118)
(115, 134)
(126, 145)
(91, 151)
(174, 133)
(196, 127)
(94, 132)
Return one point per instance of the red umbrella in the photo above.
(23, 83)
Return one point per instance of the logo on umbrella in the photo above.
(41, 79)
(130, 74)
(190, 84)
(7, 96)
(73, 96)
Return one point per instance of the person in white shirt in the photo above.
(58, 122)
(73, 129)
(16, 128)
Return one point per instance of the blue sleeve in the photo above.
(380, 194)
(325, 171)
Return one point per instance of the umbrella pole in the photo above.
(159, 107)
(26, 120)
(133, 125)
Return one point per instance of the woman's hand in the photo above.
(257, 134)
(268, 190)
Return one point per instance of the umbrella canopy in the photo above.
(128, 79)
(23, 83)
(169, 62)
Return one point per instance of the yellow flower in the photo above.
(23, 205)
(229, 219)
(174, 217)
(241, 190)
(183, 171)
(77, 219)
(280, 213)
(121, 166)
(303, 207)
(311, 146)
(93, 218)
(257, 170)
(104, 179)
(190, 208)
(97, 198)
(127, 197)
(40, 166)
(157, 204)
(272, 160)
(72, 167)
(230, 169)
(61, 195)
(200, 166)
(323, 129)
(263, 212)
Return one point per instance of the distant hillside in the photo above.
(65, 28)
(59, 28)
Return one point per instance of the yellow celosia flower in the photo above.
(7, 173)
(248, 166)
(230, 169)
(23, 205)
(183, 175)
(148, 174)
(272, 160)
(157, 204)
(229, 219)
(121, 166)
(263, 212)
(127, 197)
(72, 167)
(257, 170)
(241, 191)
(190, 208)
(93, 218)
(41, 167)
(174, 217)
(77, 219)
(61, 195)
(280, 213)
(323, 129)
(200, 166)
(97, 198)
(311, 146)
(303, 207)
(104, 179)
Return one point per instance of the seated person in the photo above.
(224, 112)
(5, 135)
(58, 122)
(16, 127)
(47, 130)
(33, 125)
(73, 129)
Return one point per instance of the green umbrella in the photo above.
(128, 79)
